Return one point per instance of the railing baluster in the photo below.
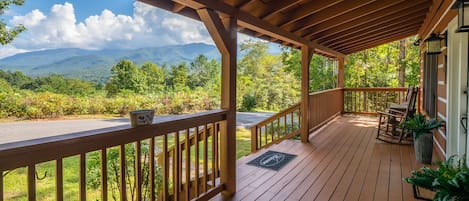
(83, 177)
(32, 183)
(213, 155)
(138, 168)
(278, 128)
(205, 180)
(151, 163)
(165, 167)
(1, 185)
(123, 190)
(272, 131)
(196, 178)
(217, 156)
(59, 196)
(188, 165)
(104, 174)
(285, 124)
(177, 173)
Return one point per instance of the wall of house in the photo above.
(437, 22)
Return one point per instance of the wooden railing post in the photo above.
(223, 33)
(340, 80)
(306, 54)
(254, 139)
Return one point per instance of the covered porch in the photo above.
(193, 158)
(342, 161)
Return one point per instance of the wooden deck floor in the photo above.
(343, 161)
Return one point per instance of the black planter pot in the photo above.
(423, 147)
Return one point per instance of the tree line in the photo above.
(265, 82)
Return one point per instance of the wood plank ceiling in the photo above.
(337, 27)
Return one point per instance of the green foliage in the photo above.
(154, 77)
(263, 79)
(60, 85)
(420, 125)
(450, 180)
(204, 73)
(379, 66)
(8, 34)
(323, 72)
(249, 103)
(125, 75)
(179, 77)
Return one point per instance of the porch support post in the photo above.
(340, 80)
(223, 33)
(306, 54)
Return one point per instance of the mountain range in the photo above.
(95, 65)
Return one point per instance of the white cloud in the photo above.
(148, 26)
(9, 50)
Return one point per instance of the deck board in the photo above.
(342, 161)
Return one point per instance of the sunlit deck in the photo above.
(343, 161)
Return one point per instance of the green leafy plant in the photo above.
(420, 125)
(450, 180)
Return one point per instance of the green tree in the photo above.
(7, 34)
(204, 72)
(125, 76)
(154, 77)
(179, 77)
(17, 79)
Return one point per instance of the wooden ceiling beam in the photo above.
(368, 20)
(362, 47)
(275, 7)
(431, 23)
(251, 22)
(178, 7)
(374, 7)
(244, 3)
(375, 39)
(324, 15)
(376, 36)
(300, 12)
(377, 33)
(357, 33)
(169, 5)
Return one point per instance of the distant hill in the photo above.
(95, 65)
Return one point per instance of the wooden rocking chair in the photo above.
(389, 127)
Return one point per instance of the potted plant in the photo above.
(423, 138)
(450, 180)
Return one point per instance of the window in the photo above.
(430, 84)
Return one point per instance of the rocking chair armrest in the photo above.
(396, 111)
(390, 114)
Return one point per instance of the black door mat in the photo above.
(272, 160)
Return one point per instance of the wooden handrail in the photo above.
(196, 127)
(371, 100)
(265, 133)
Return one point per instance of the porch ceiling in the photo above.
(334, 28)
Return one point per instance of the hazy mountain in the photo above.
(96, 64)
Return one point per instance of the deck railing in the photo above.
(323, 106)
(286, 124)
(154, 162)
(371, 100)
(276, 128)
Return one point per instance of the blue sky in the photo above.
(82, 7)
(99, 24)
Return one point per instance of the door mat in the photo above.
(272, 160)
